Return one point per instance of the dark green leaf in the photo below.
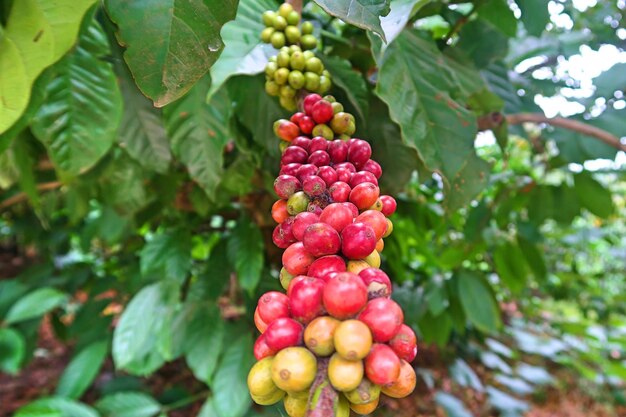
(362, 13)
(416, 83)
(137, 333)
(500, 15)
(35, 304)
(168, 253)
(435, 329)
(183, 44)
(229, 384)
(12, 350)
(535, 15)
(128, 404)
(142, 133)
(63, 406)
(534, 258)
(199, 132)
(25, 162)
(10, 291)
(22, 59)
(244, 53)
(510, 266)
(482, 42)
(400, 11)
(245, 252)
(247, 106)
(122, 185)
(611, 80)
(350, 81)
(478, 301)
(82, 370)
(79, 120)
(592, 195)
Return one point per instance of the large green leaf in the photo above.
(35, 304)
(56, 406)
(535, 15)
(79, 120)
(142, 133)
(400, 11)
(350, 81)
(37, 34)
(592, 195)
(511, 266)
(247, 106)
(482, 42)
(199, 132)
(82, 370)
(200, 329)
(167, 253)
(420, 84)
(123, 186)
(500, 15)
(12, 350)
(138, 331)
(611, 80)
(362, 13)
(478, 301)
(128, 404)
(244, 53)
(180, 47)
(229, 385)
(245, 252)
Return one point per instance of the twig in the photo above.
(493, 120)
(459, 24)
(19, 197)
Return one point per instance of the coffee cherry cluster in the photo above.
(337, 308)
(295, 67)
(281, 28)
(293, 70)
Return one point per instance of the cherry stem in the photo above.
(323, 398)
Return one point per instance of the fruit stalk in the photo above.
(323, 399)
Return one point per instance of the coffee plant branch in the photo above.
(20, 197)
(493, 120)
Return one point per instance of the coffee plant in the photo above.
(193, 208)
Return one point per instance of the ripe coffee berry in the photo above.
(325, 265)
(382, 365)
(301, 222)
(273, 305)
(321, 239)
(296, 259)
(339, 191)
(318, 143)
(384, 318)
(309, 101)
(338, 151)
(319, 158)
(314, 186)
(338, 216)
(306, 170)
(261, 349)
(294, 154)
(361, 177)
(283, 333)
(344, 295)
(374, 219)
(305, 299)
(389, 205)
(327, 174)
(364, 195)
(358, 240)
(286, 185)
(404, 343)
(377, 282)
(302, 142)
(290, 169)
(322, 112)
(359, 152)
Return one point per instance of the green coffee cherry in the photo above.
(307, 28)
(283, 145)
(337, 107)
(285, 9)
(345, 137)
(296, 79)
(287, 91)
(272, 88)
(329, 98)
(281, 75)
(307, 41)
(326, 74)
(314, 65)
(280, 23)
(311, 81)
(340, 123)
(297, 61)
(285, 49)
(266, 34)
(351, 129)
(283, 60)
(308, 54)
(294, 48)
(324, 131)
(324, 84)
(268, 18)
(272, 58)
(293, 18)
(270, 69)
(292, 33)
(278, 39)
(298, 202)
(288, 103)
